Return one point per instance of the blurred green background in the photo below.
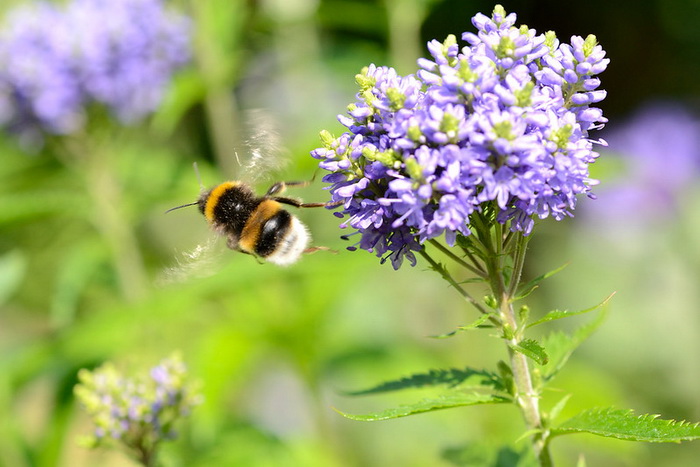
(87, 256)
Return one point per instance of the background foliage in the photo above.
(84, 260)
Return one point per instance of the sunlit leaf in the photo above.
(559, 314)
(528, 288)
(430, 405)
(624, 424)
(451, 377)
(560, 345)
(479, 323)
(533, 350)
(558, 407)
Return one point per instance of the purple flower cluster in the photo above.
(502, 122)
(136, 410)
(56, 61)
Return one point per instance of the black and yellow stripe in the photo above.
(255, 225)
(213, 198)
(263, 229)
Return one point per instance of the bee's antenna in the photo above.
(199, 179)
(182, 206)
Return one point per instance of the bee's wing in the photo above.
(263, 151)
(199, 263)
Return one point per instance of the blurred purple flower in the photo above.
(38, 86)
(137, 411)
(56, 61)
(660, 149)
(502, 122)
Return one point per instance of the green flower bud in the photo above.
(589, 44)
(396, 99)
(562, 135)
(414, 169)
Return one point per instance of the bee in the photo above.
(258, 225)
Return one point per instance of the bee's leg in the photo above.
(233, 244)
(314, 249)
(280, 187)
(298, 204)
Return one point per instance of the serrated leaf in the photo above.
(476, 324)
(624, 424)
(559, 314)
(560, 345)
(430, 405)
(527, 289)
(533, 350)
(451, 377)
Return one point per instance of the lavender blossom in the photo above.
(138, 412)
(55, 62)
(499, 124)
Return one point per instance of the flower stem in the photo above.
(446, 275)
(87, 155)
(475, 269)
(526, 396)
(496, 246)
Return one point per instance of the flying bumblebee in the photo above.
(252, 224)
(257, 225)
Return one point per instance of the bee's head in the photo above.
(202, 201)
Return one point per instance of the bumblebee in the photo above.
(257, 225)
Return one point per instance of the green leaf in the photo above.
(560, 345)
(559, 314)
(78, 266)
(475, 325)
(430, 405)
(528, 288)
(558, 407)
(506, 373)
(488, 453)
(451, 377)
(624, 424)
(531, 349)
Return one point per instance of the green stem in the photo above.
(497, 246)
(220, 107)
(87, 156)
(446, 275)
(518, 264)
(475, 269)
(404, 19)
(526, 396)
(146, 456)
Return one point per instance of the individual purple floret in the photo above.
(501, 123)
(55, 62)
